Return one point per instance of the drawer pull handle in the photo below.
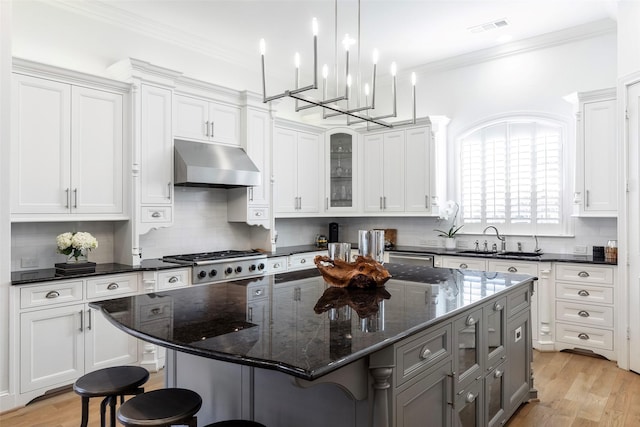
(463, 265)
(497, 374)
(257, 292)
(173, 279)
(156, 214)
(512, 270)
(52, 294)
(303, 260)
(583, 336)
(470, 321)
(258, 213)
(470, 397)
(498, 307)
(155, 310)
(425, 353)
(113, 286)
(583, 313)
(277, 265)
(583, 274)
(583, 293)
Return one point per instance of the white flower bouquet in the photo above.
(451, 210)
(76, 244)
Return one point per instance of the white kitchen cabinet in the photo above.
(463, 263)
(297, 160)
(205, 120)
(341, 181)
(156, 155)
(584, 308)
(253, 205)
(596, 192)
(384, 178)
(67, 151)
(62, 338)
(419, 170)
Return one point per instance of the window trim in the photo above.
(565, 228)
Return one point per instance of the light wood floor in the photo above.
(573, 391)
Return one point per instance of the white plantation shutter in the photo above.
(511, 176)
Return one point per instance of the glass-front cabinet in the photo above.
(342, 164)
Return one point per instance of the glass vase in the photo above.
(78, 256)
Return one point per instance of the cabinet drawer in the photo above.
(156, 214)
(518, 301)
(50, 294)
(161, 309)
(584, 336)
(584, 273)
(303, 261)
(586, 293)
(173, 279)
(258, 290)
(587, 314)
(464, 263)
(277, 265)
(112, 286)
(422, 353)
(258, 213)
(510, 266)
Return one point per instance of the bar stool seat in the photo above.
(109, 383)
(161, 408)
(236, 423)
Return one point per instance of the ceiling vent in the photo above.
(498, 23)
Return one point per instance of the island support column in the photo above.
(381, 385)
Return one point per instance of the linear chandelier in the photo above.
(339, 105)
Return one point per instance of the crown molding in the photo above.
(104, 12)
(556, 38)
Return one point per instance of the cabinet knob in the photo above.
(156, 214)
(52, 294)
(113, 286)
(583, 274)
(583, 293)
(303, 261)
(425, 353)
(257, 292)
(498, 373)
(258, 213)
(155, 310)
(498, 307)
(512, 269)
(463, 265)
(470, 321)
(583, 336)
(583, 313)
(277, 265)
(173, 279)
(470, 397)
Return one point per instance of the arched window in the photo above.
(511, 175)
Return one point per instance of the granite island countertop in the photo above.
(307, 329)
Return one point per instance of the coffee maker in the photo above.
(333, 232)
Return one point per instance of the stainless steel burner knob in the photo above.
(238, 269)
(252, 267)
(229, 270)
(202, 274)
(261, 266)
(213, 273)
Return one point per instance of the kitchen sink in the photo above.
(508, 253)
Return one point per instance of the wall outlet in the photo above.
(518, 334)
(28, 262)
(580, 249)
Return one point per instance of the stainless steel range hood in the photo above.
(198, 164)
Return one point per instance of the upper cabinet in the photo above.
(342, 170)
(596, 192)
(253, 205)
(297, 165)
(383, 166)
(419, 170)
(67, 145)
(205, 120)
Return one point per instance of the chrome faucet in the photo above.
(537, 249)
(503, 240)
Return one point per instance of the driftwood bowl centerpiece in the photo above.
(365, 272)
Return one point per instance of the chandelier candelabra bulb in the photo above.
(375, 56)
(314, 26)
(296, 60)
(394, 69)
(413, 79)
(263, 47)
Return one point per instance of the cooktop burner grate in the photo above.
(213, 256)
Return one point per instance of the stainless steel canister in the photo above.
(340, 251)
(363, 242)
(376, 245)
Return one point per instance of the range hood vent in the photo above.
(198, 164)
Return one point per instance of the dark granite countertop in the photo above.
(545, 257)
(307, 328)
(46, 274)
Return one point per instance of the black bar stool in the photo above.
(109, 383)
(236, 423)
(161, 408)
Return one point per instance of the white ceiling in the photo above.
(411, 32)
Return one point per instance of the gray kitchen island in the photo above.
(433, 347)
